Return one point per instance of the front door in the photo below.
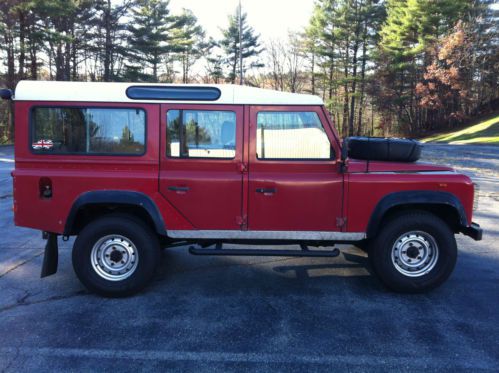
(200, 172)
(294, 179)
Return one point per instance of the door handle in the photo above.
(266, 190)
(178, 189)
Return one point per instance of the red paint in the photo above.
(214, 198)
(310, 195)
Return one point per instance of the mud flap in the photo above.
(51, 257)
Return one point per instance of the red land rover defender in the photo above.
(130, 168)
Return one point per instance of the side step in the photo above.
(264, 252)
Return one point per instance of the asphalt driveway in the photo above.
(243, 313)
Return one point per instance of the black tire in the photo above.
(144, 255)
(425, 227)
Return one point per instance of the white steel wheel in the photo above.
(114, 257)
(415, 253)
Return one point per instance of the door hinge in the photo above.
(341, 222)
(242, 221)
(243, 167)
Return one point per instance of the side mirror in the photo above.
(5, 94)
(344, 149)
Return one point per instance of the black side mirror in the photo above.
(344, 149)
(6, 94)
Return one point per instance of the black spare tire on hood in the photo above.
(383, 149)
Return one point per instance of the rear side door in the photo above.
(200, 167)
(295, 183)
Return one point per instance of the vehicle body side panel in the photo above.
(307, 194)
(366, 190)
(213, 187)
(73, 175)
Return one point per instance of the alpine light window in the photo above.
(292, 135)
(173, 93)
(201, 134)
(68, 130)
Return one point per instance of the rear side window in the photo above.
(68, 130)
(201, 134)
(291, 135)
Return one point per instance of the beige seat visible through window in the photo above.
(296, 143)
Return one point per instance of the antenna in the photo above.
(241, 78)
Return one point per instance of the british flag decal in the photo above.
(43, 144)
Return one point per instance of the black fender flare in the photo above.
(414, 198)
(116, 197)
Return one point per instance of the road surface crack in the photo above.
(20, 264)
(22, 301)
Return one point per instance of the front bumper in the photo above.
(474, 231)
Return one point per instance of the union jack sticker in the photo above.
(43, 144)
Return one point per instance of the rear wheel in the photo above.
(414, 252)
(115, 255)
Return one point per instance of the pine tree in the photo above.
(109, 36)
(188, 42)
(65, 27)
(482, 26)
(409, 31)
(230, 44)
(150, 33)
(340, 37)
(214, 68)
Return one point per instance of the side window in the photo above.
(291, 135)
(201, 134)
(67, 130)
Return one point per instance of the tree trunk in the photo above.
(108, 42)
(345, 88)
(362, 79)
(11, 65)
(22, 43)
(354, 73)
(155, 67)
(33, 47)
(313, 72)
(67, 57)
(74, 55)
(234, 66)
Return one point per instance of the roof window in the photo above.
(174, 93)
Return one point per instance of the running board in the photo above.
(264, 252)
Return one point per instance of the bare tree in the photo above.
(276, 60)
(295, 62)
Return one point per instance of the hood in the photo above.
(403, 167)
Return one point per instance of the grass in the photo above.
(484, 132)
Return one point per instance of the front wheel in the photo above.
(414, 252)
(115, 255)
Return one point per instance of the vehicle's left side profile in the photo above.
(129, 169)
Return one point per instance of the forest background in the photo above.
(383, 68)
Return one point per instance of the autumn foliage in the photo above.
(443, 90)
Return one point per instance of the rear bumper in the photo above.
(474, 231)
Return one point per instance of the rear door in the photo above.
(294, 178)
(200, 172)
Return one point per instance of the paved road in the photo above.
(245, 314)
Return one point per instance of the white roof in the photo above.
(29, 90)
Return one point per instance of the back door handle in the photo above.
(266, 190)
(178, 188)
